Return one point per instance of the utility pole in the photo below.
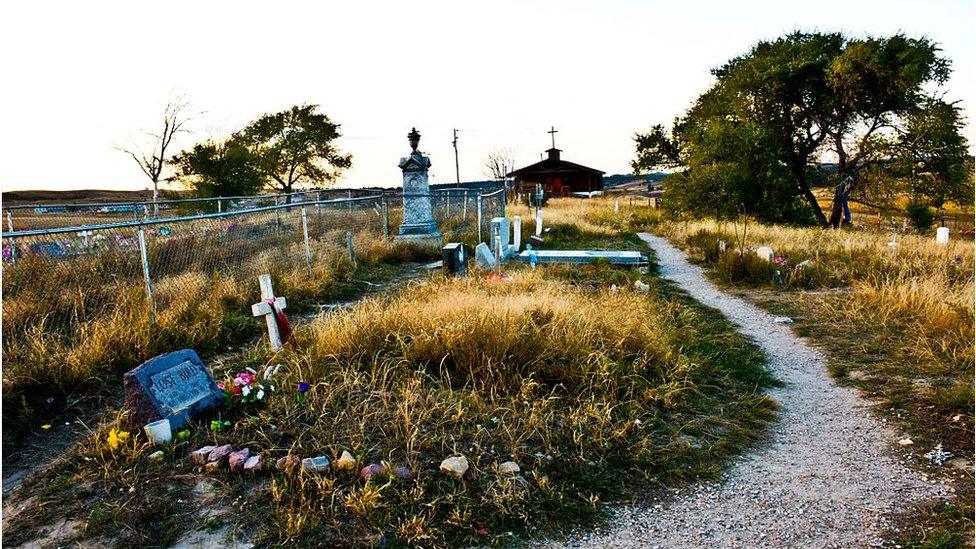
(457, 169)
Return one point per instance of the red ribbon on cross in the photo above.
(284, 327)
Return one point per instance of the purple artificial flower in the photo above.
(303, 387)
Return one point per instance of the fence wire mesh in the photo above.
(56, 280)
(46, 216)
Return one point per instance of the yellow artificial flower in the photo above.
(115, 438)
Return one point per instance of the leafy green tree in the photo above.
(295, 147)
(219, 169)
(812, 93)
(932, 156)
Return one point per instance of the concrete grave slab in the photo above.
(586, 256)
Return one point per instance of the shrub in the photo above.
(745, 268)
(920, 216)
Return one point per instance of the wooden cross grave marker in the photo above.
(264, 308)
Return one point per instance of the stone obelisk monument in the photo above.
(418, 219)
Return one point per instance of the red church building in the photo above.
(558, 177)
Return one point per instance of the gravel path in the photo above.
(826, 478)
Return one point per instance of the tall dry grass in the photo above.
(597, 395)
(75, 336)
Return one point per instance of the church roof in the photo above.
(553, 165)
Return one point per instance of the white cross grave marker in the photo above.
(264, 308)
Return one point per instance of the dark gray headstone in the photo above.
(455, 259)
(176, 386)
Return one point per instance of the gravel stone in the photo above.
(829, 476)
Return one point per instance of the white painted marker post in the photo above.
(517, 233)
(538, 222)
(265, 309)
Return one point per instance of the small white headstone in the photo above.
(616, 206)
(723, 246)
(500, 227)
(517, 233)
(766, 253)
(483, 256)
(942, 235)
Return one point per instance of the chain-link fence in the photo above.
(47, 216)
(70, 274)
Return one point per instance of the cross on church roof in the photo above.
(553, 133)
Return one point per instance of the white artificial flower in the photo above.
(246, 390)
(260, 394)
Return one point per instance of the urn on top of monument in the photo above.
(414, 138)
(416, 161)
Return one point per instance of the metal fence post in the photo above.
(220, 207)
(479, 218)
(277, 216)
(386, 216)
(145, 273)
(10, 221)
(352, 250)
(464, 208)
(349, 196)
(448, 214)
(308, 245)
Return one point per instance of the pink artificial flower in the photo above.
(243, 378)
(220, 386)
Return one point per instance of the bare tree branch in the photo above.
(152, 156)
(499, 163)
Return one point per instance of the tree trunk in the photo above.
(799, 172)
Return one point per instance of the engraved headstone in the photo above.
(454, 259)
(499, 226)
(418, 220)
(483, 256)
(176, 386)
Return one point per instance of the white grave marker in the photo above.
(265, 309)
(517, 233)
(766, 253)
(942, 236)
(538, 222)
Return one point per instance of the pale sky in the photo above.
(79, 78)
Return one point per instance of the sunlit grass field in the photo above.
(598, 394)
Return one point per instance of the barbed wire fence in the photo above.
(64, 276)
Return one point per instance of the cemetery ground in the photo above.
(597, 394)
(594, 389)
(894, 314)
